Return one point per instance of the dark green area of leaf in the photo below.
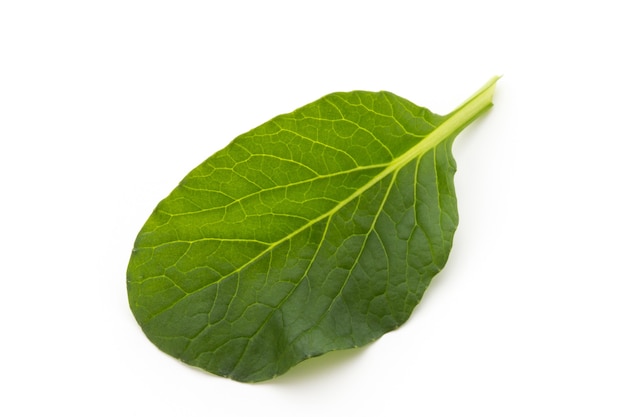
(316, 231)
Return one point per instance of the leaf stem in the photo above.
(455, 121)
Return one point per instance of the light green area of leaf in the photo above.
(316, 231)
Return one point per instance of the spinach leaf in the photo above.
(316, 231)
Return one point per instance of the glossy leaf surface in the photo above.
(316, 231)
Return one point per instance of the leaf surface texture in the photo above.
(316, 231)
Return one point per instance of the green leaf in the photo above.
(316, 231)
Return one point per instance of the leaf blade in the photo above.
(270, 251)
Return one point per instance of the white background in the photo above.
(106, 105)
